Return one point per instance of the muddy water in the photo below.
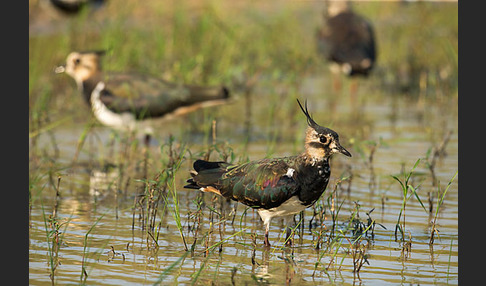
(102, 228)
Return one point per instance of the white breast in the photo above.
(123, 121)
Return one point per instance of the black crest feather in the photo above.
(96, 52)
(310, 121)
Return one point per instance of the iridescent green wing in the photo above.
(265, 183)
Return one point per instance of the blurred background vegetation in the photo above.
(263, 48)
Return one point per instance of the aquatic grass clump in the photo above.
(173, 192)
(440, 201)
(148, 203)
(55, 239)
(356, 232)
(408, 191)
(162, 188)
(360, 231)
(55, 227)
(84, 267)
(170, 268)
(319, 215)
(359, 227)
(434, 153)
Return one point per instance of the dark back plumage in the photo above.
(142, 95)
(265, 183)
(148, 97)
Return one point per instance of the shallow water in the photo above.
(102, 215)
(137, 260)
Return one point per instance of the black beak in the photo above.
(343, 151)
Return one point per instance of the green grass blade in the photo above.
(414, 190)
(169, 269)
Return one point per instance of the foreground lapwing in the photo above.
(127, 101)
(274, 187)
(347, 40)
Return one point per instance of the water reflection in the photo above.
(103, 181)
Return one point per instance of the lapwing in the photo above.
(278, 187)
(128, 101)
(347, 40)
(74, 6)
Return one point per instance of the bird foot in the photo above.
(289, 242)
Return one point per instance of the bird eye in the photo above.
(323, 139)
(77, 61)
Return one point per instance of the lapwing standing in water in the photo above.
(347, 42)
(127, 101)
(274, 187)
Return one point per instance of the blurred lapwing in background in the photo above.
(129, 101)
(72, 7)
(347, 42)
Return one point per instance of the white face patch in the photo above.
(333, 146)
(290, 172)
(80, 72)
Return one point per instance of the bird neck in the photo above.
(336, 7)
(87, 86)
(314, 157)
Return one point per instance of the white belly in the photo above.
(290, 207)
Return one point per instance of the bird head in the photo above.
(320, 142)
(82, 65)
(335, 7)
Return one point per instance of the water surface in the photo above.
(115, 231)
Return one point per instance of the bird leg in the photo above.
(267, 229)
(289, 221)
(288, 238)
(353, 98)
(336, 83)
(265, 241)
(353, 91)
(146, 140)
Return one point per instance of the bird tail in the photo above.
(205, 176)
(202, 97)
(209, 93)
(192, 185)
